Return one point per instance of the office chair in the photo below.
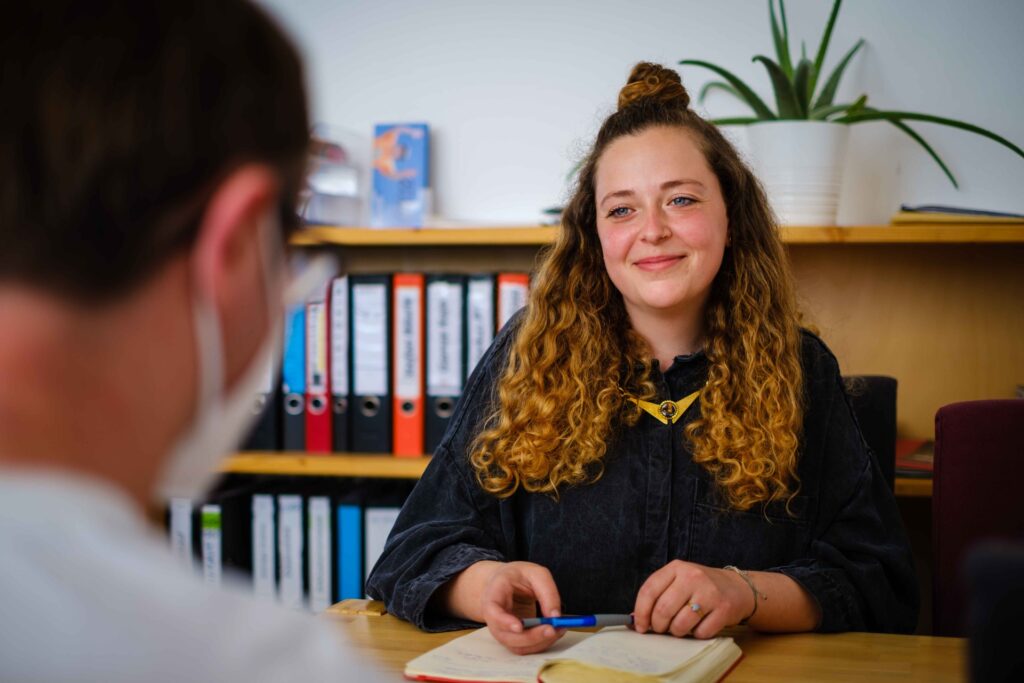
(979, 466)
(873, 398)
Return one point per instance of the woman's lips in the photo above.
(658, 262)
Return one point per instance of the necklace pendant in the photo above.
(667, 409)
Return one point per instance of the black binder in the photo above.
(341, 380)
(445, 375)
(370, 346)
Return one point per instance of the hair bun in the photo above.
(653, 82)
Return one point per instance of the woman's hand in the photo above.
(665, 603)
(500, 594)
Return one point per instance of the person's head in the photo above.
(152, 155)
(666, 218)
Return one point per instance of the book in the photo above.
(915, 458)
(614, 653)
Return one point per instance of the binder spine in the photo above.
(264, 558)
(350, 551)
(480, 318)
(339, 364)
(320, 575)
(289, 546)
(181, 531)
(408, 365)
(318, 415)
(371, 375)
(444, 353)
(293, 381)
(212, 539)
(513, 290)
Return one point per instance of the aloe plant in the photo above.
(798, 97)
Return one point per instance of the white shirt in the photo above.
(88, 592)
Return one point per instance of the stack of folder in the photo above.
(377, 363)
(305, 542)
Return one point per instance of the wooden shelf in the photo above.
(303, 464)
(390, 467)
(921, 233)
(907, 487)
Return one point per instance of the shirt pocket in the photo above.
(759, 538)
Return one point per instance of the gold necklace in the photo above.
(666, 411)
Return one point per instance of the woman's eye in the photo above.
(681, 201)
(618, 212)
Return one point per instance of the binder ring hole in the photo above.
(370, 406)
(293, 404)
(340, 405)
(317, 403)
(408, 407)
(445, 407)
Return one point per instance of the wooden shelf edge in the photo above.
(927, 233)
(392, 467)
(334, 465)
(908, 487)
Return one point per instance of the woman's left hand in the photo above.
(666, 602)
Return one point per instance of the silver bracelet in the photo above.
(750, 582)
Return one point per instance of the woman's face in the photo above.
(661, 220)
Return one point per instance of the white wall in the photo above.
(514, 90)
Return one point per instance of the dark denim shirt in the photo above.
(844, 542)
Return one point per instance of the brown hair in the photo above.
(120, 117)
(560, 398)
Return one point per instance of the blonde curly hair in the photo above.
(561, 395)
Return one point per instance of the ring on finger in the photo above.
(696, 608)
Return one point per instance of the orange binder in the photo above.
(407, 361)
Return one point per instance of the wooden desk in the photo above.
(792, 658)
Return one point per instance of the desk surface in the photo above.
(793, 658)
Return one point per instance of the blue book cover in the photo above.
(401, 187)
(350, 552)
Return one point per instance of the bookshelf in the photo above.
(936, 305)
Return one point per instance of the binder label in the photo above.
(210, 516)
(370, 339)
(479, 320)
(181, 531)
(407, 343)
(511, 297)
(316, 348)
(444, 339)
(289, 546)
(339, 336)
(264, 560)
(319, 553)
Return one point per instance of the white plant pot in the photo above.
(800, 164)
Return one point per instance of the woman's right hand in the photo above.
(500, 594)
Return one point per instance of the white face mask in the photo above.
(221, 421)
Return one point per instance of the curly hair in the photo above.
(561, 396)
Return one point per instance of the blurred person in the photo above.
(151, 155)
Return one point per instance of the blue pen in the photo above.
(581, 620)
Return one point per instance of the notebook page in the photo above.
(620, 648)
(479, 657)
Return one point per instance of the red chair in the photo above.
(979, 474)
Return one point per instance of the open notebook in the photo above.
(612, 654)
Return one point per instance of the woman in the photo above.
(655, 434)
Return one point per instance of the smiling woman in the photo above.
(654, 421)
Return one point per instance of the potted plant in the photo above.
(798, 147)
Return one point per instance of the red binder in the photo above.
(407, 362)
(318, 413)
